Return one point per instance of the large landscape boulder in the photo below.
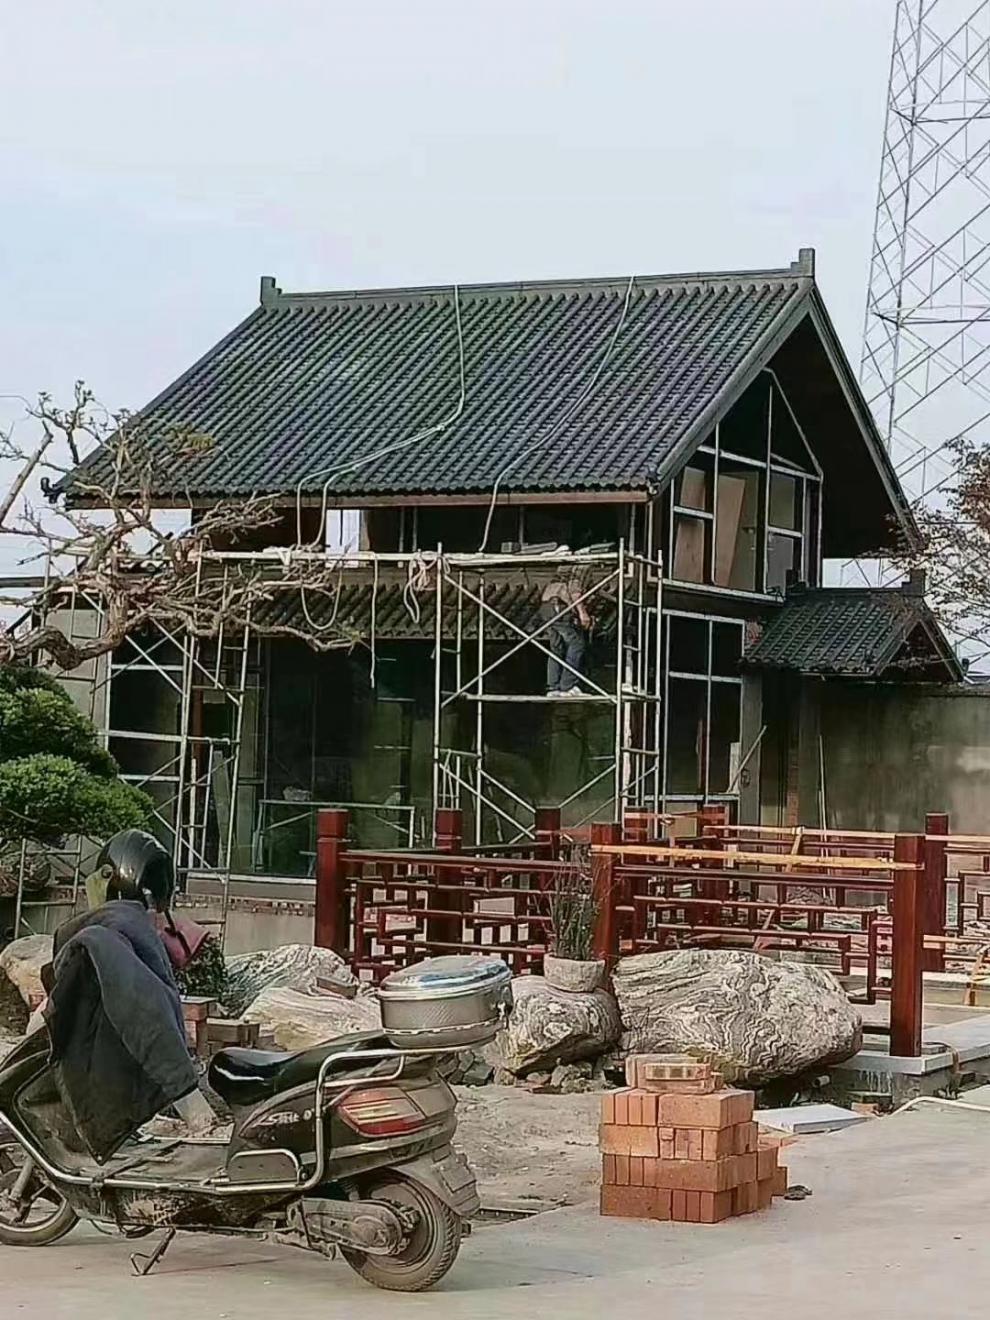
(290, 966)
(549, 1026)
(756, 1019)
(21, 962)
(298, 1021)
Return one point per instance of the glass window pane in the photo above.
(783, 556)
(726, 649)
(688, 645)
(784, 504)
(724, 741)
(744, 428)
(686, 713)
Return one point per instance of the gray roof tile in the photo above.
(852, 633)
(310, 382)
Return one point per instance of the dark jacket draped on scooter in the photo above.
(119, 1052)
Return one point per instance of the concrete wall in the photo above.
(892, 753)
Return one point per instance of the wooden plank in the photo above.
(786, 861)
(830, 836)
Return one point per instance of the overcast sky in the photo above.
(157, 159)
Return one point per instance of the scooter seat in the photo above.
(246, 1077)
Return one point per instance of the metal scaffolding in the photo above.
(633, 584)
(926, 348)
(175, 708)
(156, 733)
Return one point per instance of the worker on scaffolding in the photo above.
(563, 609)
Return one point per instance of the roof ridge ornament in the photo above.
(269, 292)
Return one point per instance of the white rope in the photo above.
(417, 579)
(352, 464)
(568, 414)
(324, 627)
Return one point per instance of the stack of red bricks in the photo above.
(677, 1145)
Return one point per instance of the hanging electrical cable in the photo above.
(564, 419)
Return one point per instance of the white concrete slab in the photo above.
(804, 1119)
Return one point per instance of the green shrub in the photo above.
(55, 778)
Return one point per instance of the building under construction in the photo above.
(673, 457)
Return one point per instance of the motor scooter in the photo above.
(345, 1147)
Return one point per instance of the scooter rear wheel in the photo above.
(43, 1218)
(432, 1247)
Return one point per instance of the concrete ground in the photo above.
(896, 1226)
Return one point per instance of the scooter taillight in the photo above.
(381, 1112)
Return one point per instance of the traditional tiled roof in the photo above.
(864, 633)
(567, 386)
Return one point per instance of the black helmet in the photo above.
(142, 869)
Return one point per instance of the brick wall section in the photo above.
(695, 1159)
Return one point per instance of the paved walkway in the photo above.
(897, 1226)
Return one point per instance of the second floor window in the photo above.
(743, 516)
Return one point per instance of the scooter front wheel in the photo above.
(432, 1246)
(41, 1217)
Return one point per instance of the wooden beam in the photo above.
(424, 500)
(786, 861)
(906, 991)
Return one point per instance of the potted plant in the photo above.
(570, 963)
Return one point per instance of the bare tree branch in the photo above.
(102, 539)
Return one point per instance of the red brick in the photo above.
(780, 1181)
(678, 1207)
(766, 1163)
(197, 1008)
(747, 1137)
(621, 1099)
(648, 1108)
(698, 1175)
(654, 1072)
(632, 1203)
(628, 1141)
(717, 1143)
(715, 1206)
(668, 1139)
(636, 1178)
(608, 1108)
(764, 1193)
(681, 1143)
(663, 1203)
(721, 1109)
(622, 1170)
(767, 1138)
(745, 1198)
(747, 1169)
(609, 1176)
(700, 1086)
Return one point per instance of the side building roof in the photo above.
(855, 633)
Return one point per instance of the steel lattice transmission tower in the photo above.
(926, 350)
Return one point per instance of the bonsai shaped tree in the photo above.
(55, 778)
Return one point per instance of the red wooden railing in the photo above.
(721, 887)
